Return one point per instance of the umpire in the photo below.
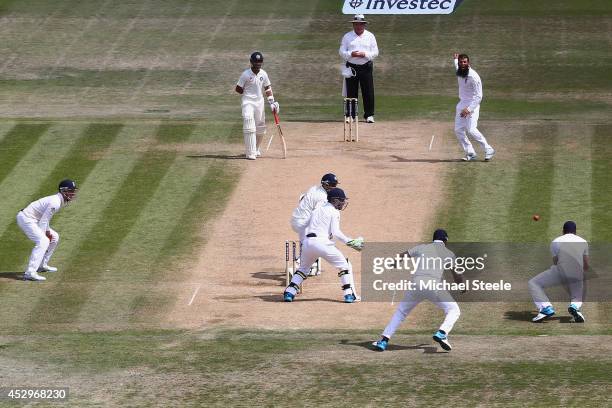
(358, 48)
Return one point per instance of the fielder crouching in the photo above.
(323, 227)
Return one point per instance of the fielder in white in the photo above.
(34, 221)
(323, 227)
(570, 260)
(252, 85)
(468, 108)
(443, 299)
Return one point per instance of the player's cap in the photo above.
(440, 235)
(336, 193)
(330, 180)
(359, 18)
(569, 227)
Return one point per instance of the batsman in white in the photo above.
(323, 227)
(427, 272)
(34, 221)
(313, 198)
(468, 108)
(570, 260)
(252, 85)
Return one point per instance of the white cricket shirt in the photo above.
(365, 42)
(253, 85)
(325, 222)
(569, 250)
(43, 209)
(470, 89)
(314, 197)
(432, 257)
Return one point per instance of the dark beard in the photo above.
(463, 72)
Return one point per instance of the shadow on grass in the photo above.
(399, 159)
(11, 276)
(218, 156)
(427, 349)
(526, 316)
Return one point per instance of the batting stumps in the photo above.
(292, 262)
(351, 119)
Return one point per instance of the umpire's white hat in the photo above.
(359, 18)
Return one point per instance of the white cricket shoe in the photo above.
(370, 119)
(257, 153)
(33, 277)
(251, 157)
(47, 268)
(489, 154)
(469, 157)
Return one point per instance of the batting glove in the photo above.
(275, 107)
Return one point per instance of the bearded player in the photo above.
(468, 108)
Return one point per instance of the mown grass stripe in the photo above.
(76, 164)
(145, 239)
(601, 185)
(572, 179)
(17, 143)
(207, 201)
(533, 186)
(106, 237)
(460, 183)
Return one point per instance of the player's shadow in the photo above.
(399, 159)
(279, 299)
(218, 156)
(272, 276)
(11, 276)
(526, 316)
(427, 349)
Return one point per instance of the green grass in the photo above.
(129, 98)
(325, 369)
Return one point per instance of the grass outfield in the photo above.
(135, 101)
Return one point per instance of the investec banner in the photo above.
(400, 6)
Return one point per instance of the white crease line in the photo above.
(431, 143)
(393, 298)
(194, 295)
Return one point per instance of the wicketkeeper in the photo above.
(323, 227)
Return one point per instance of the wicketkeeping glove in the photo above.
(356, 244)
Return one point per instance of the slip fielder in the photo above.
(35, 222)
(570, 260)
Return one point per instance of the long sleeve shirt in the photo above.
(325, 222)
(43, 209)
(470, 89)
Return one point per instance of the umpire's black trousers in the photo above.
(366, 80)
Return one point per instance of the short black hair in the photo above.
(462, 56)
(440, 235)
(569, 227)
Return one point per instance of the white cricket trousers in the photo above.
(318, 247)
(440, 298)
(254, 125)
(43, 248)
(467, 126)
(555, 276)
